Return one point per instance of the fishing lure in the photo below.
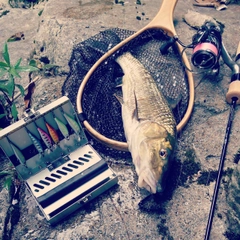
(18, 154)
(45, 137)
(62, 127)
(36, 143)
(73, 124)
(53, 133)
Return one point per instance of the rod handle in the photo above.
(234, 89)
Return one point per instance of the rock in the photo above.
(196, 20)
(233, 200)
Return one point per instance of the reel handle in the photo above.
(234, 87)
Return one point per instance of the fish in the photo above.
(73, 124)
(149, 124)
(45, 137)
(36, 143)
(53, 133)
(62, 127)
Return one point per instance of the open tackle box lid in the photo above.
(23, 142)
(50, 152)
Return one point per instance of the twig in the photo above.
(26, 87)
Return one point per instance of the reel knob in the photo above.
(234, 89)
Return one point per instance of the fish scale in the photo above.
(151, 105)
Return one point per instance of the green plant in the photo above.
(8, 86)
(9, 175)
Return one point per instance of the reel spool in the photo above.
(207, 46)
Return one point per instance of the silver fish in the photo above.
(149, 125)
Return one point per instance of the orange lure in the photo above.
(53, 133)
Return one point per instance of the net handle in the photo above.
(164, 21)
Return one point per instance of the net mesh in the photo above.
(100, 106)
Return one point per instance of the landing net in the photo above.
(100, 106)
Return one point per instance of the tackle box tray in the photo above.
(51, 153)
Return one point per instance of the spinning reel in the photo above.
(206, 45)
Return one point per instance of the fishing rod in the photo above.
(207, 48)
(233, 98)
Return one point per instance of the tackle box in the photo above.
(51, 153)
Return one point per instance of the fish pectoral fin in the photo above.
(119, 98)
(135, 112)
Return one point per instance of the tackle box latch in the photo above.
(85, 199)
(30, 114)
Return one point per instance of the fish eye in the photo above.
(163, 153)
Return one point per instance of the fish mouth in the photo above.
(146, 180)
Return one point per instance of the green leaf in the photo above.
(8, 182)
(4, 81)
(5, 173)
(33, 63)
(13, 71)
(4, 88)
(18, 63)
(1, 116)
(48, 66)
(40, 12)
(7, 86)
(14, 111)
(3, 72)
(20, 87)
(6, 54)
(10, 85)
(26, 68)
(11, 39)
(3, 65)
